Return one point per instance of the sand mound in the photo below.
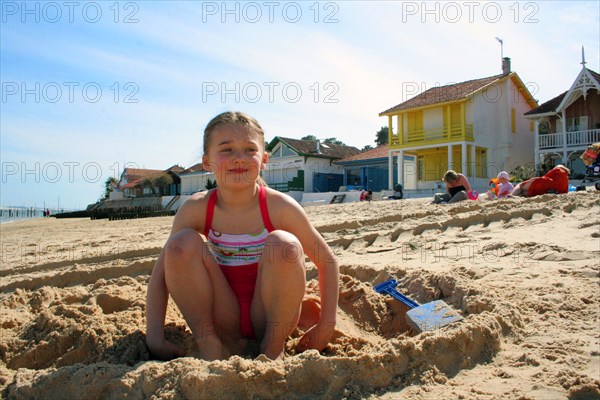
(94, 332)
(74, 327)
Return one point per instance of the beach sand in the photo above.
(523, 272)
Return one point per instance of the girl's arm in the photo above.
(293, 219)
(321, 255)
(156, 309)
(157, 296)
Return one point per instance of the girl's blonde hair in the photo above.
(235, 118)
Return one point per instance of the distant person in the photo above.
(398, 192)
(555, 181)
(457, 187)
(505, 188)
(366, 195)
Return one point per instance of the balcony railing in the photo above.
(439, 135)
(574, 139)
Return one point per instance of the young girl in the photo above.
(505, 188)
(244, 277)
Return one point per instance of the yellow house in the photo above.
(475, 127)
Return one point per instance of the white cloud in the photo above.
(368, 58)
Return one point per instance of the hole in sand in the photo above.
(112, 304)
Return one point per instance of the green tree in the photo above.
(162, 182)
(109, 185)
(382, 136)
(330, 140)
(210, 184)
(523, 172)
(147, 183)
(367, 147)
(333, 140)
(309, 137)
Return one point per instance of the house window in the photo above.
(286, 151)
(543, 128)
(415, 122)
(577, 124)
(454, 111)
(483, 162)
(354, 177)
(513, 120)
(421, 169)
(276, 153)
(572, 124)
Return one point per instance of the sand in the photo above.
(524, 273)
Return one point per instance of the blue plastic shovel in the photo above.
(423, 317)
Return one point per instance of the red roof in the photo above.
(176, 169)
(139, 173)
(442, 94)
(378, 152)
(198, 167)
(135, 175)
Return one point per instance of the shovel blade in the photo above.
(431, 316)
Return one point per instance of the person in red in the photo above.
(366, 196)
(555, 181)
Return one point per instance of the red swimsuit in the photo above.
(238, 256)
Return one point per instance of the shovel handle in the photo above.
(399, 296)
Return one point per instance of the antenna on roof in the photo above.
(505, 62)
(501, 47)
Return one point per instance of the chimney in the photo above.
(318, 146)
(505, 66)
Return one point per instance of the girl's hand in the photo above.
(164, 350)
(316, 337)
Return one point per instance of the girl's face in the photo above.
(502, 180)
(235, 155)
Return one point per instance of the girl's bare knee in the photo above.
(182, 246)
(283, 248)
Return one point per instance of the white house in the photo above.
(303, 166)
(567, 124)
(475, 127)
(194, 179)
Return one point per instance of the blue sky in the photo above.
(91, 87)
